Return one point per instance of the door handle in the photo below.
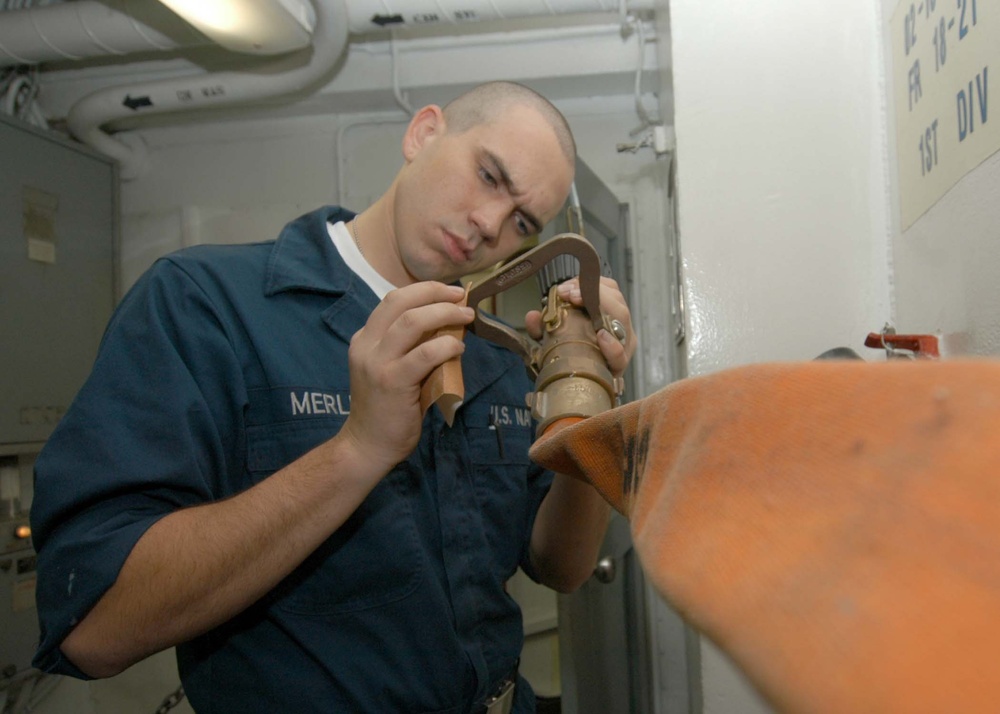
(606, 570)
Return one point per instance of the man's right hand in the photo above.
(389, 359)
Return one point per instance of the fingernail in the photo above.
(605, 336)
(468, 311)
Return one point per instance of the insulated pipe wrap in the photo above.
(220, 89)
(87, 28)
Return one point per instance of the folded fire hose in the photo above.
(834, 527)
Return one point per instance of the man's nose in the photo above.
(488, 218)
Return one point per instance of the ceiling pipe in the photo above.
(209, 91)
(334, 20)
(373, 15)
(88, 28)
(266, 27)
(84, 29)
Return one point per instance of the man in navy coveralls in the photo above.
(247, 474)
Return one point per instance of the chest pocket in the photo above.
(284, 423)
(374, 557)
(271, 447)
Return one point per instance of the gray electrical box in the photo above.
(58, 238)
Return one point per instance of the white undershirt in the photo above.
(343, 241)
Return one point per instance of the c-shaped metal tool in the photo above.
(571, 376)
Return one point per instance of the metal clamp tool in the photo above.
(571, 376)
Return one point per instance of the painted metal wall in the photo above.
(783, 207)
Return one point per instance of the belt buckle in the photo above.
(503, 701)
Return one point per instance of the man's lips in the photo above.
(457, 248)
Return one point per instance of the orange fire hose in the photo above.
(833, 526)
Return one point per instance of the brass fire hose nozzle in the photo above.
(571, 376)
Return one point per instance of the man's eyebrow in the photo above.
(505, 178)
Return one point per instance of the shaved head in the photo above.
(487, 101)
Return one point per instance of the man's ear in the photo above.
(426, 125)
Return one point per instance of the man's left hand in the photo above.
(617, 353)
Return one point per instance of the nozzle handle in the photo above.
(523, 267)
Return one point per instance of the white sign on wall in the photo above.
(944, 54)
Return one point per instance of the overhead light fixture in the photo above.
(263, 27)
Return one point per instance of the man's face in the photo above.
(466, 201)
